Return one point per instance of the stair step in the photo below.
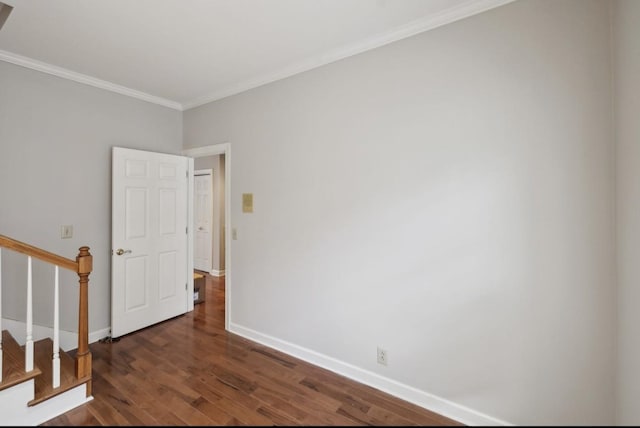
(43, 351)
(13, 368)
(13, 363)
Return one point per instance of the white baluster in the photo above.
(56, 332)
(28, 346)
(1, 357)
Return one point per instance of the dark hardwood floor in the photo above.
(190, 371)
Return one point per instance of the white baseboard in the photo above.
(413, 395)
(99, 334)
(16, 412)
(13, 402)
(215, 272)
(68, 339)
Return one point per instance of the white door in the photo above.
(149, 239)
(203, 219)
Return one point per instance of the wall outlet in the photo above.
(382, 356)
(66, 231)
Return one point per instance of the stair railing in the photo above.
(82, 266)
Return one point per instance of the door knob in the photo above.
(120, 251)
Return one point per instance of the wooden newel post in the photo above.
(83, 356)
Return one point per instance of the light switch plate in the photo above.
(66, 231)
(247, 202)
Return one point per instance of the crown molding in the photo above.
(84, 79)
(421, 25)
(472, 7)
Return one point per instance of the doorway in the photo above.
(218, 159)
(206, 224)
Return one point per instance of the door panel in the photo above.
(149, 223)
(168, 266)
(167, 211)
(136, 283)
(135, 212)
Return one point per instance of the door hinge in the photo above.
(186, 230)
(187, 174)
(185, 286)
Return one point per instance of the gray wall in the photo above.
(449, 197)
(55, 168)
(627, 78)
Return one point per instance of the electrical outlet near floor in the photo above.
(382, 356)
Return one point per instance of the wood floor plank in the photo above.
(123, 404)
(213, 412)
(137, 396)
(78, 416)
(190, 371)
(240, 406)
(187, 412)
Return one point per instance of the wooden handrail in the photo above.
(83, 265)
(43, 255)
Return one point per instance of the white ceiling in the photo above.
(184, 53)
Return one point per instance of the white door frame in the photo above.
(199, 152)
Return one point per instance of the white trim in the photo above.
(429, 22)
(13, 402)
(43, 67)
(28, 346)
(98, 334)
(1, 352)
(421, 25)
(190, 201)
(215, 272)
(16, 412)
(200, 152)
(216, 149)
(413, 395)
(56, 329)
